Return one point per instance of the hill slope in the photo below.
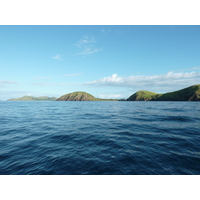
(142, 95)
(81, 96)
(191, 93)
(30, 98)
(77, 96)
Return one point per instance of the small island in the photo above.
(30, 98)
(81, 96)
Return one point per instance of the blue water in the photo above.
(129, 138)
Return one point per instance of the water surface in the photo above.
(98, 138)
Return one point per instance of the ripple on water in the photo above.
(99, 138)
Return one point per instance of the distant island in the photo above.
(191, 93)
(30, 98)
(81, 96)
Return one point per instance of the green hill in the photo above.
(81, 96)
(142, 95)
(191, 93)
(77, 96)
(30, 98)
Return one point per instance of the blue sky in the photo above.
(105, 61)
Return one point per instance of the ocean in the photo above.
(99, 138)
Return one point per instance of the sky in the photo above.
(105, 61)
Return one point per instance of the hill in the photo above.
(30, 98)
(77, 96)
(81, 96)
(142, 95)
(191, 93)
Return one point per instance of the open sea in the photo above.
(100, 138)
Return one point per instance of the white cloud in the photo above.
(69, 83)
(109, 96)
(53, 84)
(168, 81)
(42, 77)
(112, 79)
(7, 83)
(85, 41)
(72, 75)
(88, 51)
(44, 84)
(196, 68)
(86, 45)
(57, 57)
(190, 69)
(105, 31)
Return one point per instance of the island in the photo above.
(191, 93)
(31, 98)
(81, 96)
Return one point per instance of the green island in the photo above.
(30, 98)
(81, 96)
(191, 93)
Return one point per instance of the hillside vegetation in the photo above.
(30, 98)
(81, 96)
(191, 93)
(142, 95)
(77, 96)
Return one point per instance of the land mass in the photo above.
(191, 93)
(30, 98)
(81, 96)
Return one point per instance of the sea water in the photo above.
(99, 138)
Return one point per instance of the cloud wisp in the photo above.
(169, 80)
(44, 84)
(42, 77)
(188, 69)
(105, 31)
(57, 57)
(7, 83)
(86, 45)
(110, 96)
(68, 75)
